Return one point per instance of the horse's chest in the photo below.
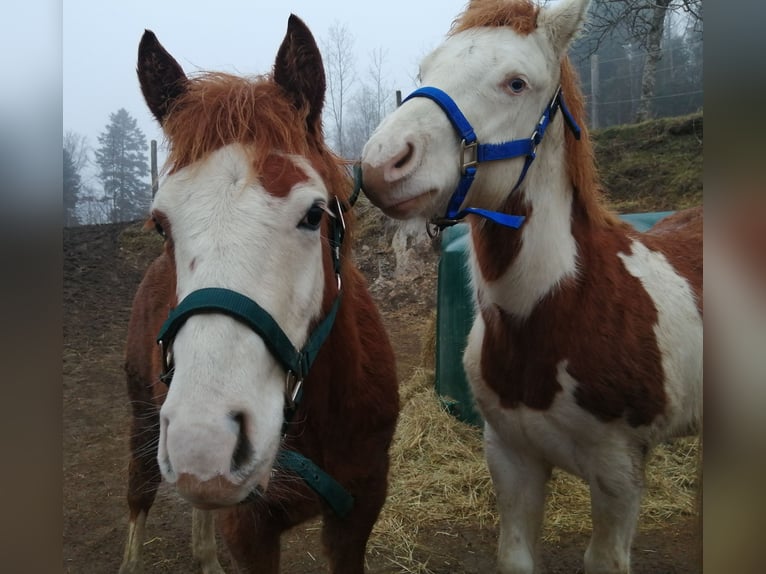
(504, 381)
(563, 434)
(632, 356)
(517, 374)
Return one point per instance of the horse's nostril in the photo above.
(243, 450)
(404, 159)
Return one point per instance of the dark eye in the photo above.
(313, 217)
(517, 85)
(158, 228)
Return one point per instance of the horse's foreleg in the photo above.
(615, 491)
(132, 557)
(252, 537)
(143, 481)
(520, 485)
(141, 495)
(203, 542)
(345, 546)
(345, 539)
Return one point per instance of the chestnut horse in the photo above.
(586, 348)
(260, 286)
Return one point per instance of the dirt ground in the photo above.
(100, 277)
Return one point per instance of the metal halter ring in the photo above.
(337, 214)
(292, 389)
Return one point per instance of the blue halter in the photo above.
(472, 153)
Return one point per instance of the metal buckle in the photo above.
(436, 225)
(471, 148)
(432, 229)
(535, 143)
(292, 387)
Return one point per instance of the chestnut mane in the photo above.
(521, 17)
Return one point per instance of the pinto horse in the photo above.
(257, 285)
(586, 348)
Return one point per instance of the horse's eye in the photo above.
(158, 228)
(313, 217)
(517, 85)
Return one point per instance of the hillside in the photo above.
(652, 166)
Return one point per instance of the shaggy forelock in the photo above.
(521, 16)
(218, 109)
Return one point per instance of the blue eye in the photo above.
(313, 218)
(517, 85)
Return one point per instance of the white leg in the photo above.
(132, 558)
(203, 542)
(615, 493)
(520, 485)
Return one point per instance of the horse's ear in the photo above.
(562, 21)
(299, 70)
(162, 79)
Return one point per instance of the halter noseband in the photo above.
(472, 153)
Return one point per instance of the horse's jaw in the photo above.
(404, 203)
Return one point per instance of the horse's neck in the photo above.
(514, 269)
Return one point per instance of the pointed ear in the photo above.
(561, 21)
(299, 70)
(162, 79)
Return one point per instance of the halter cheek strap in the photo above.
(472, 153)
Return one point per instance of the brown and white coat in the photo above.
(586, 348)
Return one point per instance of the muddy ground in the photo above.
(101, 273)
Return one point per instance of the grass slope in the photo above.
(651, 166)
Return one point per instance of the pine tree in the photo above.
(121, 158)
(72, 187)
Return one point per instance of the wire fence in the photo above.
(617, 96)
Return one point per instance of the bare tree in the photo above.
(368, 106)
(382, 90)
(361, 121)
(94, 207)
(641, 22)
(72, 189)
(653, 54)
(78, 149)
(78, 152)
(340, 71)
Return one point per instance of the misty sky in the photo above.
(100, 41)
